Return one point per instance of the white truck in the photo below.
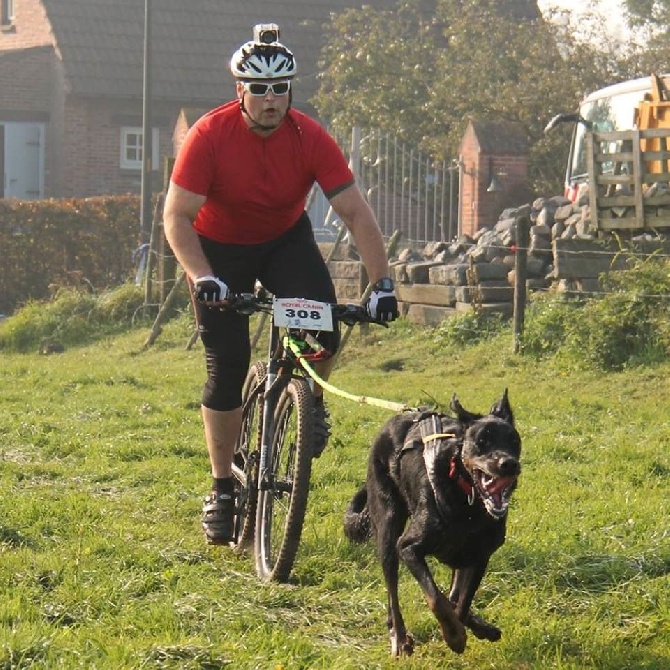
(621, 149)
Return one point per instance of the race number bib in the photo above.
(302, 313)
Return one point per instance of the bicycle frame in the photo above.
(273, 456)
(277, 364)
(272, 387)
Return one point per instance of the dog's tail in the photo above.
(357, 525)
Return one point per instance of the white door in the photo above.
(24, 160)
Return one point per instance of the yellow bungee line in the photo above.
(361, 399)
(438, 436)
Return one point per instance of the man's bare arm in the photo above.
(181, 208)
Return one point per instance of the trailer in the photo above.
(628, 179)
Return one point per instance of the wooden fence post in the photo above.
(151, 253)
(164, 311)
(390, 250)
(520, 272)
(167, 268)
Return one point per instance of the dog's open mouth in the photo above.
(495, 492)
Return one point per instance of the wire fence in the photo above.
(417, 196)
(407, 189)
(648, 288)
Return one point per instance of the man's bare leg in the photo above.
(221, 431)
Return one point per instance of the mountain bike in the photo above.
(272, 463)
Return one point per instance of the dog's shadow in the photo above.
(586, 572)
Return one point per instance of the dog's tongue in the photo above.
(499, 484)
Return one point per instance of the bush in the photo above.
(613, 333)
(69, 242)
(627, 326)
(548, 320)
(72, 317)
(469, 328)
(120, 305)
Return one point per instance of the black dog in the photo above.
(452, 478)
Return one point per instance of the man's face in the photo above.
(265, 100)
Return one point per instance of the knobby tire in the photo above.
(246, 455)
(281, 508)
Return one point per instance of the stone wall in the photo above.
(478, 272)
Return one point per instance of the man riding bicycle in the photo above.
(235, 213)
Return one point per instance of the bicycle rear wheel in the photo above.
(245, 458)
(282, 503)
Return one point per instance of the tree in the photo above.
(654, 13)
(423, 75)
(376, 70)
(651, 19)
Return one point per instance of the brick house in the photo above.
(493, 172)
(71, 82)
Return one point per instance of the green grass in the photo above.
(103, 564)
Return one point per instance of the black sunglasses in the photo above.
(261, 89)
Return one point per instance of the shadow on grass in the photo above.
(14, 539)
(588, 572)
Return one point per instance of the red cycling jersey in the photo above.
(256, 187)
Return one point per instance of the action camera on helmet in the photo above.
(266, 33)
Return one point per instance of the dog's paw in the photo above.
(456, 640)
(453, 631)
(404, 647)
(483, 629)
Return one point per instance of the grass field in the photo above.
(103, 564)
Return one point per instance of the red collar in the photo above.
(460, 475)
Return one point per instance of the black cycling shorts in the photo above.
(290, 266)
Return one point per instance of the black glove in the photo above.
(210, 289)
(382, 303)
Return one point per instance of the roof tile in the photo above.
(102, 43)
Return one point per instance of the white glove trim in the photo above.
(223, 288)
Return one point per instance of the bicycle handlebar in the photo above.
(348, 313)
(248, 303)
(351, 314)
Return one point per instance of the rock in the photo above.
(545, 217)
(563, 212)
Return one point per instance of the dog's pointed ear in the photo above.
(462, 414)
(503, 410)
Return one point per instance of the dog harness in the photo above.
(433, 438)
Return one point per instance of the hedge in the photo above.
(45, 244)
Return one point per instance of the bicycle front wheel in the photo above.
(282, 501)
(245, 458)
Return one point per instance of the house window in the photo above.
(131, 148)
(7, 12)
